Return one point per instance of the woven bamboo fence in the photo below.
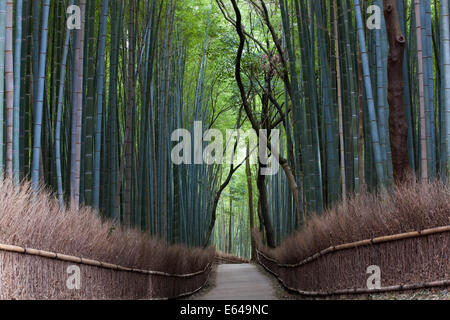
(412, 260)
(31, 274)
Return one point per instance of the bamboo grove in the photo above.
(92, 90)
(327, 70)
(88, 110)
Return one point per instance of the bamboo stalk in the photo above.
(100, 87)
(339, 99)
(9, 87)
(375, 137)
(2, 80)
(77, 111)
(40, 98)
(16, 97)
(89, 71)
(445, 73)
(423, 126)
(59, 115)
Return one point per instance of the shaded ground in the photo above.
(238, 282)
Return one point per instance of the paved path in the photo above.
(240, 282)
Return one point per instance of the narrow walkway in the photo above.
(240, 282)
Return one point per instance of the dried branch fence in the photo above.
(411, 260)
(27, 273)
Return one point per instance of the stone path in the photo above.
(240, 282)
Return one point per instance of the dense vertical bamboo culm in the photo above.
(423, 125)
(445, 74)
(9, 87)
(368, 86)
(99, 116)
(17, 84)
(77, 110)
(339, 99)
(40, 96)
(2, 81)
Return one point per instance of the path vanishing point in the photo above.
(240, 282)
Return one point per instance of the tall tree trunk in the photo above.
(260, 217)
(248, 172)
(222, 230)
(262, 137)
(264, 207)
(398, 127)
(230, 229)
(216, 203)
(423, 135)
(223, 186)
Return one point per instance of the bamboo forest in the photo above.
(158, 144)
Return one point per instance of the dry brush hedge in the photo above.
(149, 269)
(406, 232)
(225, 258)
